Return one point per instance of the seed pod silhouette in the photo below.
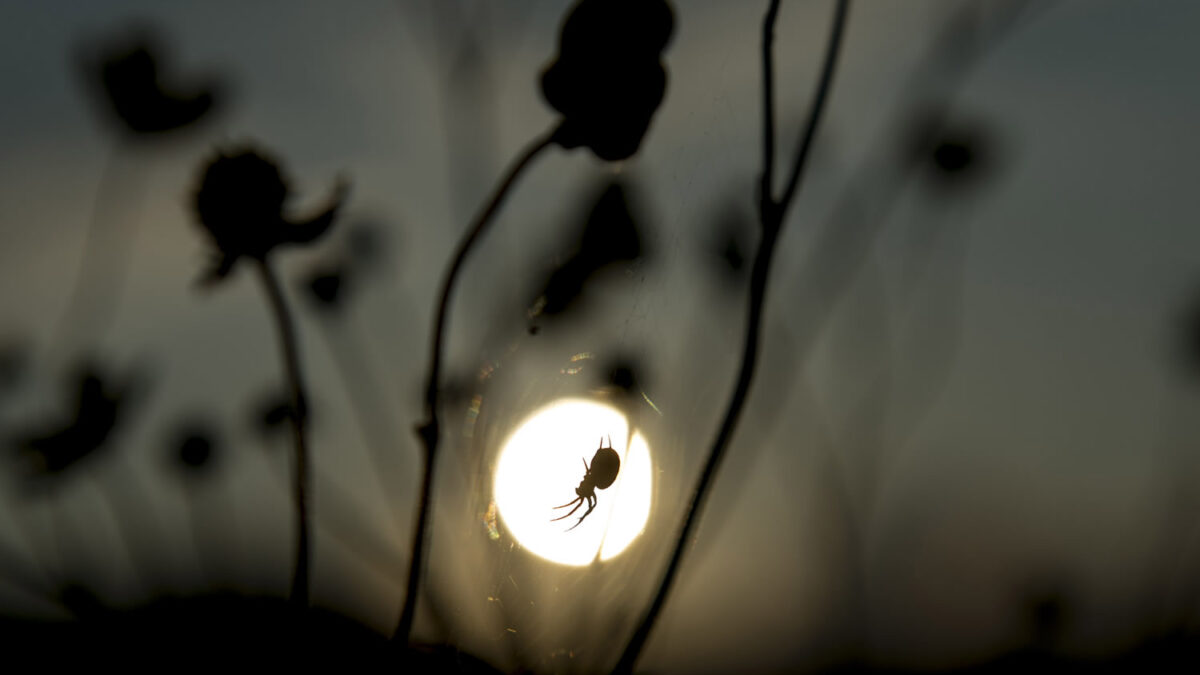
(240, 203)
(607, 79)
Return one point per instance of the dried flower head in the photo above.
(131, 85)
(53, 449)
(241, 202)
(607, 79)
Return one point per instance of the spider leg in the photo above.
(586, 469)
(569, 503)
(591, 507)
(580, 500)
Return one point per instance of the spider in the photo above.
(601, 474)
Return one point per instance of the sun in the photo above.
(539, 468)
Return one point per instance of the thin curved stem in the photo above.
(771, 220)
(818, 105)
(301, 482)
(767, 186)
(428, 430)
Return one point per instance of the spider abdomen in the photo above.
(606, 463)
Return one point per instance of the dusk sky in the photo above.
(972, 392)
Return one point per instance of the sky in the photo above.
(969, 394)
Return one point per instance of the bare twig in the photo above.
(771, 214)
(814, 113)
(767, 186)
(428, 430)
(301, 487)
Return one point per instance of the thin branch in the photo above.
(818, 105)
(770, 216)
(428, 430)
(767, 188)
(301, 487)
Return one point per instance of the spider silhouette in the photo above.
(601, 474)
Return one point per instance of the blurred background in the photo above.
(970, 443)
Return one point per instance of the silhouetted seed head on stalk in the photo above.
(607, 79)
(962, 158)
(952, 155)
(194, 449)
(325, 288)
(240, 203)
(622, 374)
(622, 377)
(131, 86)
(610, 235)
(563, 288)
(727, 245)
(732, 253)
(366, 244)
(272, 412)
(59, 446)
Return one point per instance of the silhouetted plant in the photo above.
(357, 253)
(624, 377)
(731, 253)
(607, 82)
(195, 454)
(195, 449)
(365, 243)
(610, 235)
(728, 243)
(325, 288)
(953, 155)
(272, 411)
(772, 211)
(143, 107)
(136, 94)
(60, 445)
(240, 204)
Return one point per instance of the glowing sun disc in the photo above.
(540, 466)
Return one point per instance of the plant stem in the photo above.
(301, 487)
(771, 214)
(818, 105)
(428, 430)
(767, 185)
